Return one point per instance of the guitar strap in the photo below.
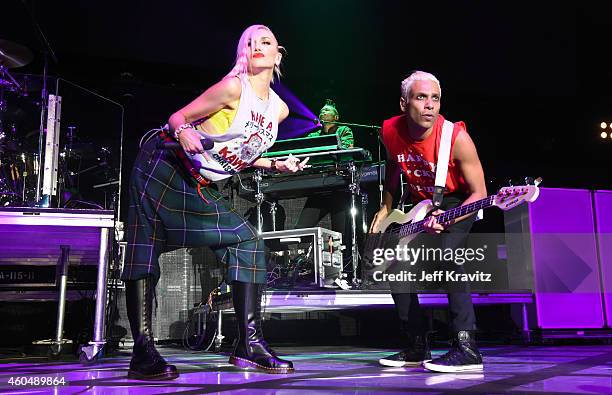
(188, 165)
(441, 167)
(403, 198)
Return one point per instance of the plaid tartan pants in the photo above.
(166, 213)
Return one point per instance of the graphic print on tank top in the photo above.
(252, 132)
(418, 170)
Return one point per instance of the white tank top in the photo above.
(252, 132)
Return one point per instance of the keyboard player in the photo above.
(328, 115)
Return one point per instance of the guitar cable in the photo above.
(149, 135)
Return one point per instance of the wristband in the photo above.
(179, 130)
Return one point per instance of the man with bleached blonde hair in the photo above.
(412, 140)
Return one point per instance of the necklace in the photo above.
(256, 94)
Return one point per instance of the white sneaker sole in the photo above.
(397, 364)
(452, 369)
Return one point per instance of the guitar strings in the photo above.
(417, 227)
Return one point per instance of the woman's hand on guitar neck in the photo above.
(431, 224)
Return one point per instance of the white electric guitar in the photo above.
(409, 224)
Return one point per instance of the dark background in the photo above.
(531, 79)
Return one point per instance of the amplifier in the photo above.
(188, 275)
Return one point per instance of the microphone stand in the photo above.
(358, 125)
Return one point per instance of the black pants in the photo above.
(462, 315)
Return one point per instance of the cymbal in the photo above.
(13, 55)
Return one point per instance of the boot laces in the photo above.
(152, 352)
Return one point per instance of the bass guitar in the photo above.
(408, 225)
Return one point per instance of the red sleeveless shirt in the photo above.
(417, 159)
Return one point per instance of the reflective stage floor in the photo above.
(328, 370)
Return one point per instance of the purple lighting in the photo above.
(300, 121)
(568, 292)
(603, 206)
(341, 370)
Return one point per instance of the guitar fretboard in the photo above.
(417, 227)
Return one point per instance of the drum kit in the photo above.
(20, 163)
(17, 167)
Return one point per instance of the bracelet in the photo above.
(273, 164)
(179, 130)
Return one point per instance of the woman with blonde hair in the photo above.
(173, 204)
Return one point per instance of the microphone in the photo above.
(207, 144)
(317, 123)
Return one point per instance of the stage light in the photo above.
(604, 135)
(604, 125)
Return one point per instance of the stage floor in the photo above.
(332, 370)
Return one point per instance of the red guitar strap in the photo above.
(202, 182)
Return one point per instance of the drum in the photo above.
(10, 190)
(29, 164)
(18, 178)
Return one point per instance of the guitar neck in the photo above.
(417, 227)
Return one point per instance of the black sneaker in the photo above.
(400, 359)
(462, 357)
(413, 356)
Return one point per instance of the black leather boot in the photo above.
(251, 350)
(146, 363)
(463, 356)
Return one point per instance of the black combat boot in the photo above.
(251, 350)
(146, 363)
